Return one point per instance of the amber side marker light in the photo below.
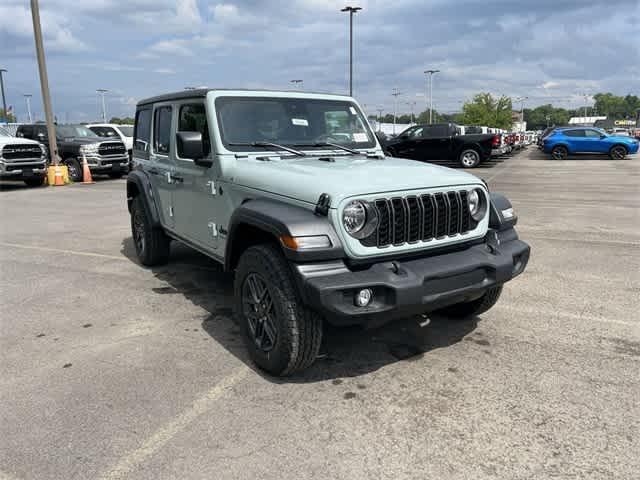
(305, 243)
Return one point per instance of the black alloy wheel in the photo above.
(259, 310)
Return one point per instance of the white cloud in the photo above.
(550, 84)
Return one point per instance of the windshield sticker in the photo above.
(301, 122)
(352, 110)
(360, 137)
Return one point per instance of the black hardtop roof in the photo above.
(202, 92)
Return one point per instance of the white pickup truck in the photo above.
(22, 159)
(111, 130)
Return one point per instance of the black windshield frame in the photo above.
(293, 103)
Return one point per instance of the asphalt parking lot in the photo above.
(111, 370)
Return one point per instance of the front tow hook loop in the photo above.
(493, 241)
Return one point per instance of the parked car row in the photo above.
(22, 159)
(467, 146)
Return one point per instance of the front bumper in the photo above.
(405, 288)
(22, 170)
(102, 163)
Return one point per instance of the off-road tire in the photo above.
(75, 169)
(474, 307)
(34, 182)
(115, 175)
(298, 329)
(469, 158)
(151, 243)
(559, 152)
(618, 152)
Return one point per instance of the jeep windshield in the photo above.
(75, 131)
(302, 123)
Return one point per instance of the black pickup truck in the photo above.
(74, 142)
(442, 141)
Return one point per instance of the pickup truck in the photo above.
(442, 142)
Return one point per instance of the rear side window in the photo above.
(574, 133)
(142, 130)
(436, 131)
(193, 118)
(162, 130)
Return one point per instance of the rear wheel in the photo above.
(560, 152)
(474, 307)
(469, 158)
(34, 182)
(74, 168)
(282, 335)
(151, 244)
(618, 152)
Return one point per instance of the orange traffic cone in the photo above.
(58, 177)
(86, 173)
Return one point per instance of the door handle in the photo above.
(175, 179)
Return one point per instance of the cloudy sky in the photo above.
(549, 50)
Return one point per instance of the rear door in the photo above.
(435, 143)
(576, 141)
(151, 149)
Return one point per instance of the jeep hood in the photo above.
(306, 178)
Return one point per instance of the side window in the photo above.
(574, 133)
(592, 134)
(193, 118)
(26, 131)
(142, 133)
(162, 130)
(435, 131)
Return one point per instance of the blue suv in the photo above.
(566, 140)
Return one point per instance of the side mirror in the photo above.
(602, 135)
(190, 146)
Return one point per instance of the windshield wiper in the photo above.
(329, 144)
(269, 145)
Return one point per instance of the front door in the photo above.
(435, 143)
(197, 195)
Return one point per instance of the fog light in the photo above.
(363, 297)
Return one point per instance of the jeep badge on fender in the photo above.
(293, 193)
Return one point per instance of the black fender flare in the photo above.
(138, 183)
(497, 221)
(281, 219)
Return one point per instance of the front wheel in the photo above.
(469, 158)
(474, 307)
(282, 335)
(618, 152)
(74, 168)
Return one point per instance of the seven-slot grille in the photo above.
(22, 152)
(111, 148)
(417, 218)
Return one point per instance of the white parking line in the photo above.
(59, 250)
(160, 438)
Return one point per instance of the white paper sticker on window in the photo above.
(352, 110)
(360, 137)
(301, 122)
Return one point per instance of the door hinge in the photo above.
(212, 186)
(214, 229)
(171, 211)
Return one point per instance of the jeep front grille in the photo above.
(21, 152)
(111, 148)
(420, 218)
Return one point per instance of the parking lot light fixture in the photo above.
(351, 11)
(298, 83)
(396, 93)
(102, 91)
(429, 78)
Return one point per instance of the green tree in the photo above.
(485, 110)
(10, 117)
(615, 106)
(538, 118)
(122, 121)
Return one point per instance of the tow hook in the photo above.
(493, 241)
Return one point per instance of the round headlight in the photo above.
(477, 204)
(359, 218)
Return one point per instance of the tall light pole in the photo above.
(44, 82)
(379, 110)
(298, 83)
(4, 101)
(102, 91)
(351, 11)
(522, 99)
(27, 97)
(412, 104)
(429, 74)
(396, 93)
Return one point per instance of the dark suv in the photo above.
(75, 141)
